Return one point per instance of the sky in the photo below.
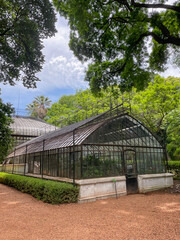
(62, 73)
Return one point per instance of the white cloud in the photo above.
(171, 71)
(62, 72)
(58, 59)
(62, 69)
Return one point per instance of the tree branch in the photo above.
(146, 5)
(119, 69)
(125, 3)
(14, 22)
(170, 39)
(119, 19)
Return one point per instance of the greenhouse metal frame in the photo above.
(25, 128)
(110, 144)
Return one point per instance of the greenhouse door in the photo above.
(130, 168)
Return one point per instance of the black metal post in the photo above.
(13, 160)
(33, 162)
(74, 157)
(70, 154)
(81, 162)
(42, 159)
(110, 105)
(166, 159)
(25, 161)
(123, 161)
(57, 154)
(129, 103)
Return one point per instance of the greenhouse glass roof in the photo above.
(112, 127)
(29, 126)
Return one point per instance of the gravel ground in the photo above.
(139, 216)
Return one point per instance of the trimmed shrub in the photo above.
(174, 167)
(45, 190)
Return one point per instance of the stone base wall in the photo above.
(152, 182)
(101, 188)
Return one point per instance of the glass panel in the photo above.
(130, 163)
(123, 131)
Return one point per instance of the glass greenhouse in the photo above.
(25, 128)
(110, 144)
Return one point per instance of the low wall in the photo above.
(152, 182)
(18, 168)
(100, 188)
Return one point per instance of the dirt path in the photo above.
(136, 217)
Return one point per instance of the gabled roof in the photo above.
(77, 133)
(59, 132)
(60, 141)
(29, 126)
(60, 138)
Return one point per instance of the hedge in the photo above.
(174, 167)
(46, 190)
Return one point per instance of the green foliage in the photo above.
(154, 103)
(5, 133)
(157, 107)
(172, 126)
(94, 166)
(61, 109)
(124, 40)
(74, 108)
(38, 108)
(45, 190)
(23, 25)
(174, 167)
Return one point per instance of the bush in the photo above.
(174, 167)
(93, 166)
(45, 190)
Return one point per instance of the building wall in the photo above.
(101, 188)
(152, 182)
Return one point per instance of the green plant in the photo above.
(174, 167)
(45, 190)
(94, 166)
(124, 42)
(6, 140)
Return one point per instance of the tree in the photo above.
(38, 108)
(23, 25)
(5, 132)
(154, 103)
(61, 110)
(124, 39)
(157, 107)
(74, 108)
(172, 127)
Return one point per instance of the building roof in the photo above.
(77, 133)
(59, 138)
(60, 132)
(29, 126)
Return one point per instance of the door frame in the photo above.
(134, 175)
